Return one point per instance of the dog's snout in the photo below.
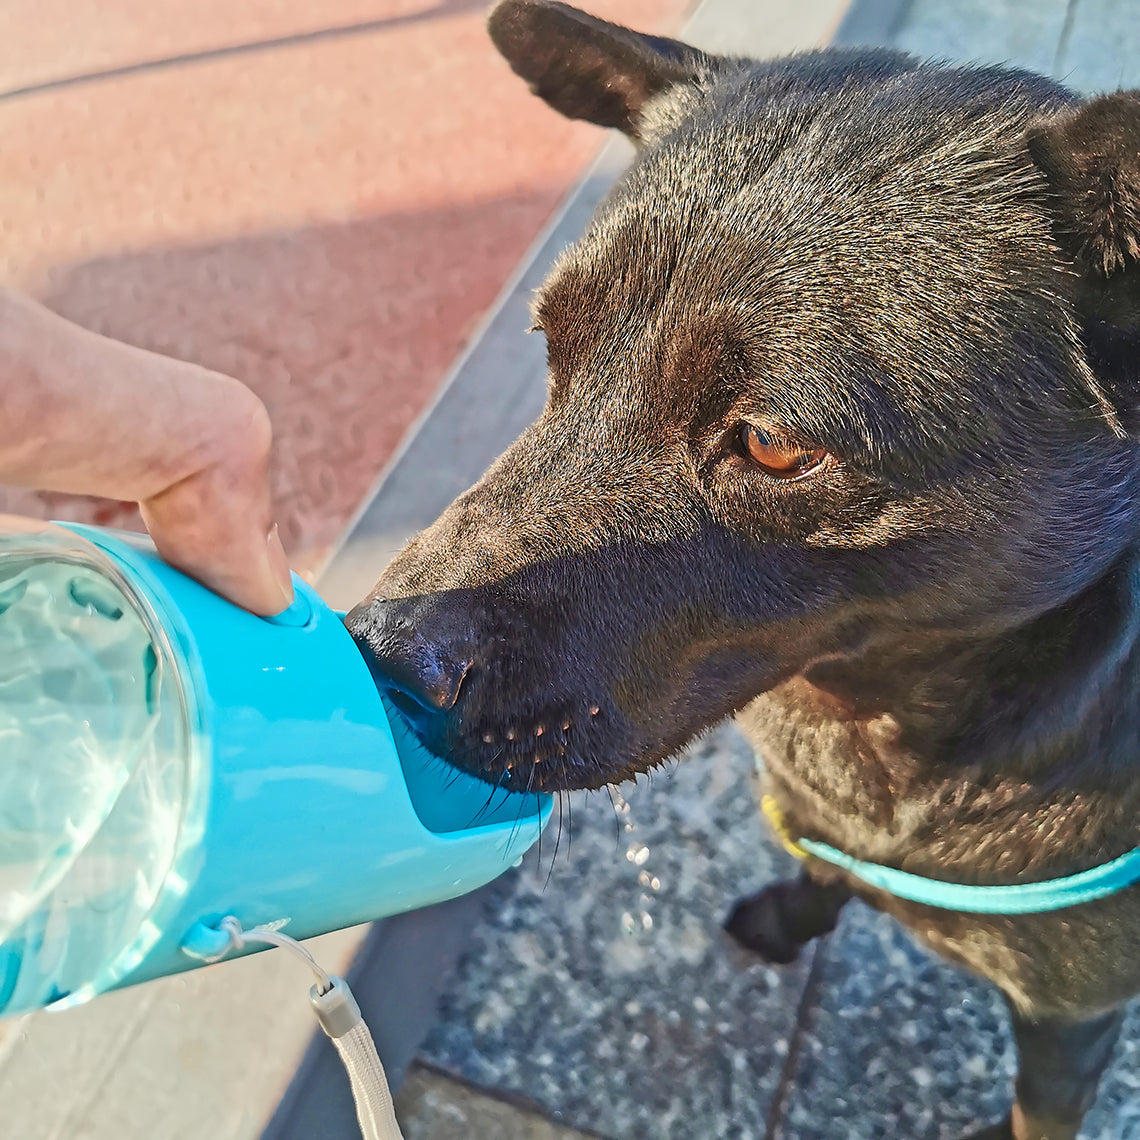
(408, 656)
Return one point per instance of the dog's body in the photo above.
(844, 381)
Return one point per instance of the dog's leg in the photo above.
(778, 921)
(1060, 1065)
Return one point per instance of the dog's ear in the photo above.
(1090, 157)
(1091, 160)
(587, 68)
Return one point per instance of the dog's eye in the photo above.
(778, 457)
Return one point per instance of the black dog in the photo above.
(842, 437)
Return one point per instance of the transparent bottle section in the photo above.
(96, 760)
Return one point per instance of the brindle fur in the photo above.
(930, 272)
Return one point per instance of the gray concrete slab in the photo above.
(1101, 48)
(1023, 32)
(202, 1054)
(435, 1106)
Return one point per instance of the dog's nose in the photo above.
(429, 667)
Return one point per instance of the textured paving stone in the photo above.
(899, 1044)
(571, 998)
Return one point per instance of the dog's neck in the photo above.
(952, 745)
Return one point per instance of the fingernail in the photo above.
(280, 564)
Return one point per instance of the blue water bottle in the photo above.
(167, 759)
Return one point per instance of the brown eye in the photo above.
(778, 457)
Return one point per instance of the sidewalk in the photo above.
(320, 198)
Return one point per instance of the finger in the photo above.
(215, 525)
(94, 416)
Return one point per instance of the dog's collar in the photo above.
(1020, 898)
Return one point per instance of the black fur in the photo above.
(931, 274)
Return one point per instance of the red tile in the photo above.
(326, 221)
(46, 40)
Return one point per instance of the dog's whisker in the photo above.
(617, 817)
(557, 842)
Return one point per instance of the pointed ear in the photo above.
(589, 69)
(1090, 157)
(1091, 160)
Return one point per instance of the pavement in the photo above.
(322, 199)
(347, 205)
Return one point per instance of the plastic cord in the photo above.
(370, 1090)
(339, 1016)
(273, 937)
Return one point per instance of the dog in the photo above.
(841, 439)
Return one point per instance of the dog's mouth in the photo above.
(554, 730)
(550, 754)
(571, 744)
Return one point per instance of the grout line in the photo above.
(440, 10)
(1066, 35)
(809, 1002)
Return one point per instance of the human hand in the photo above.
(89, 415)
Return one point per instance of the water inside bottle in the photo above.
(95, 763)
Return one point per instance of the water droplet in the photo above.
(627, 924)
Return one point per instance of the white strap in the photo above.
(339, 1017)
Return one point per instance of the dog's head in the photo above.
(849, 358)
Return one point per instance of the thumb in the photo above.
(215, 525)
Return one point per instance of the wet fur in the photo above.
(931, 273)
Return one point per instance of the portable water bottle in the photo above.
(167, 759)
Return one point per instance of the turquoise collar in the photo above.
(1020, 898)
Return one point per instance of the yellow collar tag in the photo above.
(776, 818)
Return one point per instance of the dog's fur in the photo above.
(931, 274)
